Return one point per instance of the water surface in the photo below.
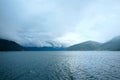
(60, 65)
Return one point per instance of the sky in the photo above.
(32, 22)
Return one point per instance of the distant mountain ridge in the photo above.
(85, 46)
(111, 45)
(43, 44)
(7, 45)
(44, 48)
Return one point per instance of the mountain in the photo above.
(43, 44)
(44, 48)
(111, 45)
(85, 46)
(7, 45)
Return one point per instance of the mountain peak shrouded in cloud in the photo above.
(63, 21)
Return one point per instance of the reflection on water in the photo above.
(61, 65)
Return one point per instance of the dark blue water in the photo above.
(60, 65)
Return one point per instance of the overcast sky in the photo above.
(65, 21)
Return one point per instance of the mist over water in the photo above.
(60, 65)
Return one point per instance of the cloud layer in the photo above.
(65, 21)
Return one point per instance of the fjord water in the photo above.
(60, 65)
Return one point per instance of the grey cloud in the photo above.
(65, 21)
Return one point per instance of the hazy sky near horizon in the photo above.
(65, 21)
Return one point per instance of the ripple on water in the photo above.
(60, 65)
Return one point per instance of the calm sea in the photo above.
(60, 65)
